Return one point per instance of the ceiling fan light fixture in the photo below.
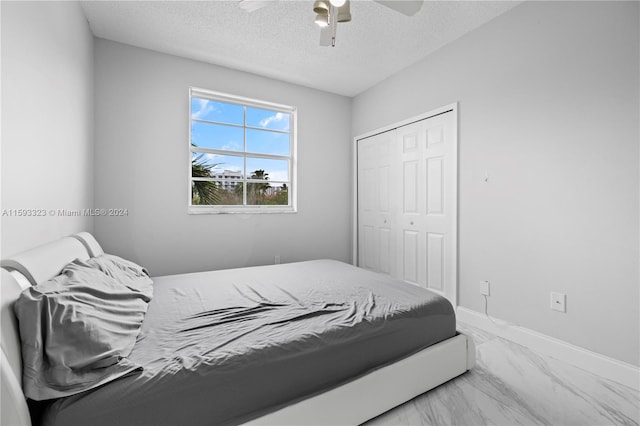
(344, 12)
(322, 20)
(338, 3)
(321, 7)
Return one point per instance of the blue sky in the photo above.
(230, 138)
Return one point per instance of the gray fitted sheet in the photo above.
(223, 347)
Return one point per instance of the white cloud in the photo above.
(219, 166)
(204, 108)
(232, 146)
(281, 175)
(277, 117)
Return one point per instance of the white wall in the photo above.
(549, 108)
(47, 120)
(142, 164)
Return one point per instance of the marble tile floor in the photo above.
(512, 385)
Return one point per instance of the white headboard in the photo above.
(13, 405)
(30, 267)
(44, 262)
(90, 243)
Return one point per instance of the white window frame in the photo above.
(291, 158)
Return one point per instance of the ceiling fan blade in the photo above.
(252, 5)
(325, 36)
(406, 7)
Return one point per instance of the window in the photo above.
(242, 154)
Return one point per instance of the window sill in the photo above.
(241, 210)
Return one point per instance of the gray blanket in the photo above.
(78, 328)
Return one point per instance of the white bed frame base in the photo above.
(349, 404)
(369, 396)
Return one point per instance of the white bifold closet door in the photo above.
(407, 203)
(376, 200)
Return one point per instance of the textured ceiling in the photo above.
(281, 40)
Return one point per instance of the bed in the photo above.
(317, 342)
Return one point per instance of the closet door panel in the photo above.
(383, 188)
(369, 257)
(386, 250)
(434, 185)
(375, 203)
(410, 256)
(435, 261)
(440, 162)
(410, 187)
(426, 217)
(411, 247)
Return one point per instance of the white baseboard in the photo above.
(601, 365)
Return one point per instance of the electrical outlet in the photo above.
(484, 288)
(559, 302)
(276, 259)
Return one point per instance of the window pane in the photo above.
(200, 165)
(204, 164)
(204, 109)
(217, 193)
(231, 194)
(204, 193)
(267, 169)
(267, 119)
(265, 142)
(263, 194)
(217, 136)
